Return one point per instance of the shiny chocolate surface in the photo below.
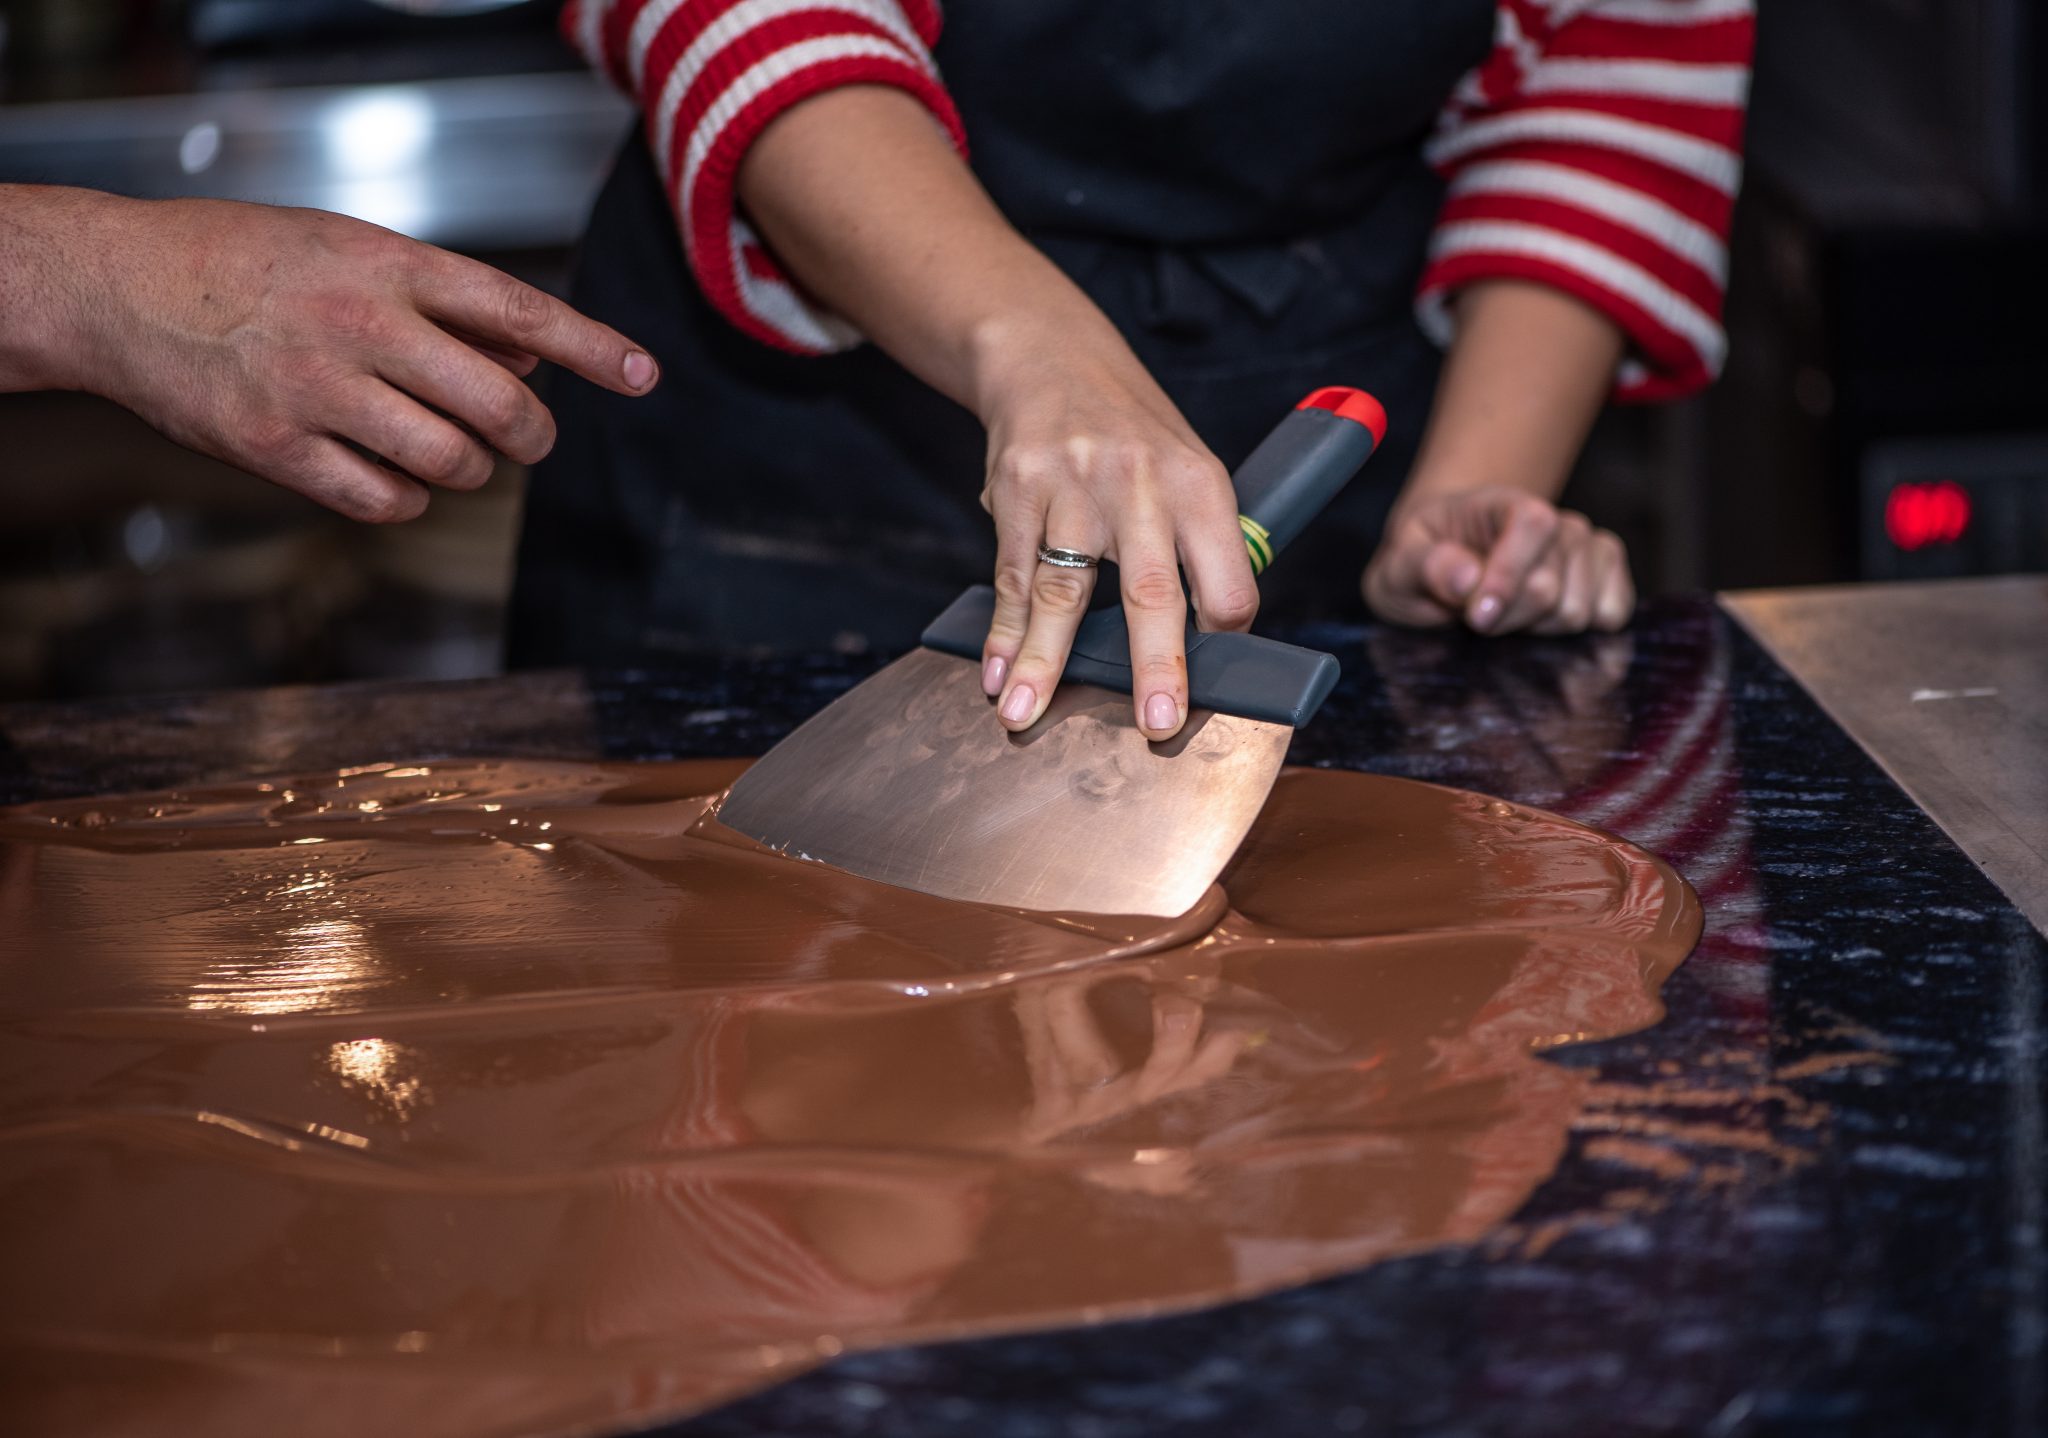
(1810, 1200)
(464, 1098)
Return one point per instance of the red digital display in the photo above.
(1920, 514)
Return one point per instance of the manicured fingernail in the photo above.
(993, 669)
(639, 370)
(1017, 708)
(1485, 611)
(1464, 578)
(1161, 713)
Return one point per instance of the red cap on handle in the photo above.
(1352, 404)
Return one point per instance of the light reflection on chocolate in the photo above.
(469, 1098)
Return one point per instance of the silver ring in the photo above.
(1066, 558)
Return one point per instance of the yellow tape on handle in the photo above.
(1258, 543)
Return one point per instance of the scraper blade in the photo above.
(919, 786)
(911, 780)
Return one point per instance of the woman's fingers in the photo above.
(1614, 601)
(1017, 532)
(1156, 617)
(1150, 507)
(473, 390)
(1450, 572)
(1527, 529)
(1581, 583)
(1201, 534)
(1502, 561)
(513, 315)
(1055, 602)
(1575, 560)
(1419, 579)
(412, 437)
(1212, 549)
(1058, 602)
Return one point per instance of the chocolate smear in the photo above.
(457, 1099)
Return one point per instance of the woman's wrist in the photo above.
(1044, 334)
(1525, 377)
(1428, 482)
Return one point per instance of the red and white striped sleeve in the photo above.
(1598, 149)
(709, 75)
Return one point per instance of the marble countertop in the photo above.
(1811, 1201)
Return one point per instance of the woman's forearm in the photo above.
(1524, 381)
(868, 206)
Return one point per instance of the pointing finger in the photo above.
(513, 315)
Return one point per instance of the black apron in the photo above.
(1237, 183)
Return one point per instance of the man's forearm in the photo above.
(1523, 383)
(44, 235)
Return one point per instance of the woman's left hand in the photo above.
(1499, 560)
(1472, 539)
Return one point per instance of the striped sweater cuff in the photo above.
(1676, 344)
(1622, 231)
(1598, 151)
(710, 76)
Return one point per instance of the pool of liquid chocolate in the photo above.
(465, 1099)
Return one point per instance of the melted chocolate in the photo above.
(467, 1098)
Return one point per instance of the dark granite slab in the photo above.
(1811, 1201)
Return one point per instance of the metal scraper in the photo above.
(910, 780)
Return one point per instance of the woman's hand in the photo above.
(1475, 536)
(289, 343)
(1086, 453)
(1500, 560)
(867, 205)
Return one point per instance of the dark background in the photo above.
(1887, 383)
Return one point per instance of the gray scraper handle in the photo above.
(1230, 673)
(1282, 486)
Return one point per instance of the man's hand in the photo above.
(332, 357)
(1500, 560)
